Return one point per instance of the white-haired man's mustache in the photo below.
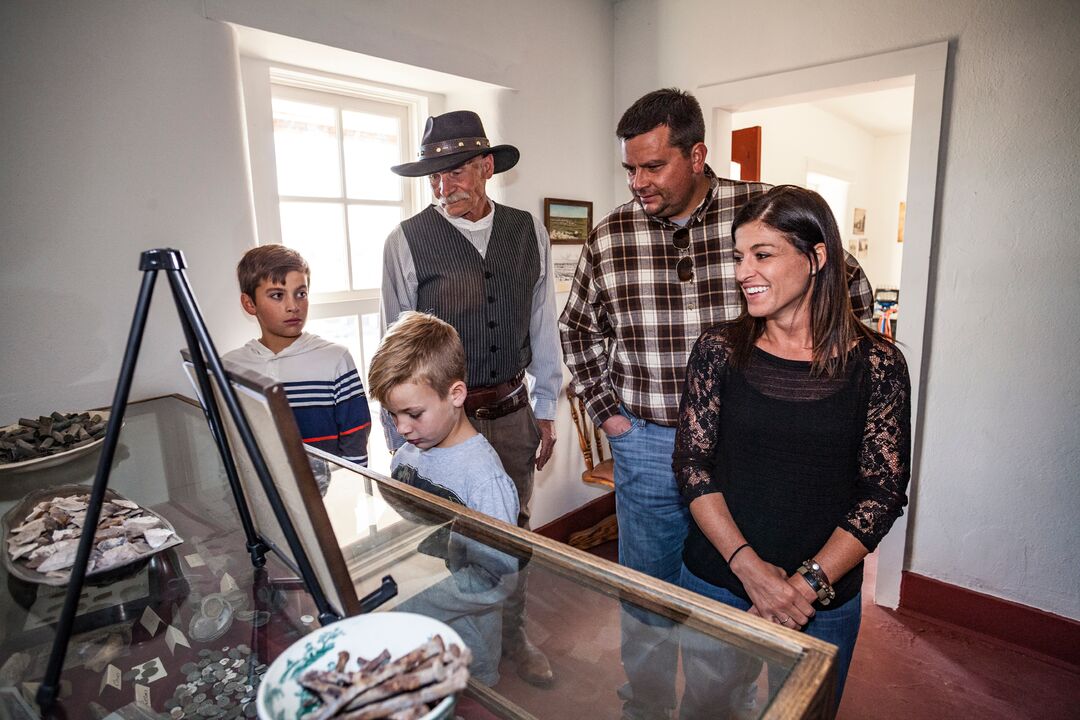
(455, 197)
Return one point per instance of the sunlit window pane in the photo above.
(372, 145)
(317, 231)
(306, 146)
(368, 227)
(343, 330)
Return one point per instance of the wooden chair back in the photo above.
(598, 470)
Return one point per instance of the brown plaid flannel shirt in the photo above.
(629, 324)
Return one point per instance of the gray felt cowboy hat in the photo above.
(452, 139)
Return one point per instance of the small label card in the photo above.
(149, 671)
(174, 637)
(142, 696)
(195, 560)
(111, 677)
(150, 620)
(228, 584)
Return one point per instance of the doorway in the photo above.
(923, 70)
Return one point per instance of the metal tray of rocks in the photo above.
(78, 449)
(144, 534)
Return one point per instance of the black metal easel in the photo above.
(202, 354)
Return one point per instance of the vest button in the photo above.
(491, 323)
(494, 348)
(491, 298)
(494, 374)
(487, 274)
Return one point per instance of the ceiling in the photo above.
(883, 112)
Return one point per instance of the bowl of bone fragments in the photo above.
(42, 532)
(372, 665)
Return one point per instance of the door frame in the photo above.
(924, 68)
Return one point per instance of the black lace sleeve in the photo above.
(699, 416)
(885, 456)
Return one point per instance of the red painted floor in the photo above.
(906, 666)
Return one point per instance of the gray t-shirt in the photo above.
(481, 577)
(468, 473)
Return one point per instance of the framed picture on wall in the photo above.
(568, 222)
(859, 226)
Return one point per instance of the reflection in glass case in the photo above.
(163, 639)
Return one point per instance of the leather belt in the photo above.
(495, 401)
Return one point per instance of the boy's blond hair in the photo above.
(418, 348)
(268, 262)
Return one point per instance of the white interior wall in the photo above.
(998, 507)
(124, 130)
(888, 189)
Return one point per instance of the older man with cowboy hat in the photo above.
(485, 269)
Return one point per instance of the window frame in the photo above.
(342, 95)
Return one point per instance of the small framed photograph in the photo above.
(568, 222)
(859, 226)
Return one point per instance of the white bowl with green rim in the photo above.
(282, 697)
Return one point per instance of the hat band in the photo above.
(450, 147)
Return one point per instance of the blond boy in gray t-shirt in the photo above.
(418, 376)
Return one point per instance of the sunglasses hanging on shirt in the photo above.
(685, 266)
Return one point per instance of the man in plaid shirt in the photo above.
(656, 273)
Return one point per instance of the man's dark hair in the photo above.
(676, 108)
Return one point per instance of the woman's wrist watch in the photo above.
(818, 581)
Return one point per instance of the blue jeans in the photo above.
(721, 680)
(653, 522)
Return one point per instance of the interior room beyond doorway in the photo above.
(853, 149)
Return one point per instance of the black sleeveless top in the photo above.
(795, 455)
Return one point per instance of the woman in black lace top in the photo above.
(792, 448)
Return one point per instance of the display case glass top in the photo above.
(188, 633)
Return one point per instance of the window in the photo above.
(337, 200)
(321, 147)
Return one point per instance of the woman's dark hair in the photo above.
(677, 109)
(805, 219)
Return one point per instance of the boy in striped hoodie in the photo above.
(321, 382)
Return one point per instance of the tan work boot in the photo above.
(532, 665)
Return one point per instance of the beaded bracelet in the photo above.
(819, 583)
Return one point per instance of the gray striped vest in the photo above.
(488, 300)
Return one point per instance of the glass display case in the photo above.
(189, 632)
